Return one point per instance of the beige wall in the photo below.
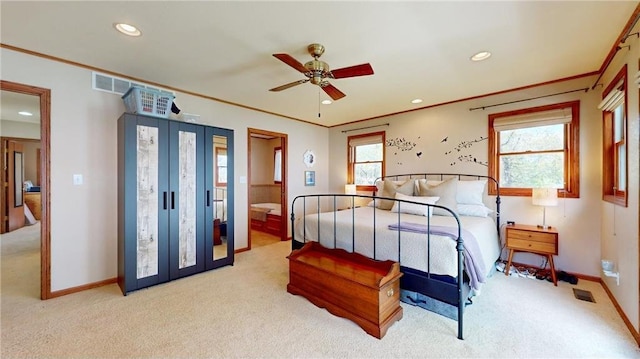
(620, 240)
(262, 160)
(20, 129)
(83, 141)
(30, 162)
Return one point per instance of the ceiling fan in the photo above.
(317, 72)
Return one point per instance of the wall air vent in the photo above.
(116, 85)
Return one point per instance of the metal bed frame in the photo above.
(413, 280)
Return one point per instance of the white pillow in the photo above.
(474, 210)
(412, 208)
(470, 192)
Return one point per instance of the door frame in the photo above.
(45, 167)
(284, 143)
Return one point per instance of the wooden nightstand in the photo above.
(525, 238)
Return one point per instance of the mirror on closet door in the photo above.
(220, 196)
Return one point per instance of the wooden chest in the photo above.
(348, 285)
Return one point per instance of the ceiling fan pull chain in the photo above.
(318, 102)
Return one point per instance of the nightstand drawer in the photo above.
(533, 246)
(532, 236)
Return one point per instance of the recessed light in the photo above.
(127, 29)
(417, 100)
(482, 55)
(25, 113)
(326, 102)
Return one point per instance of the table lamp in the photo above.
(544, 197)
(350, 189)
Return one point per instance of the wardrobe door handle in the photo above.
(164, 200)
(173, 200)
(208, 198)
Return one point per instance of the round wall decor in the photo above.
(309, 158)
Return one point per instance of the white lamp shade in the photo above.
(544, 196)
(350, 189)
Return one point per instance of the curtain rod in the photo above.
(528, 99)
(362, 128)
(622, 39)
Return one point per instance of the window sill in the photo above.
(616, 200)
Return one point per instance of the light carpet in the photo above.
(244, 311)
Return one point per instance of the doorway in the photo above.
(267, 187)
(20, 198)
(9, 89)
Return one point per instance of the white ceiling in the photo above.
(417, 49)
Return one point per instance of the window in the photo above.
(365, 159)
(277, 165)
(221, 167)
(614, 130)
(536, 147)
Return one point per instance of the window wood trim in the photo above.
(609, 146)
(351, 155)
(572, 151)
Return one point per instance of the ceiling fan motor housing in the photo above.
(317, 70)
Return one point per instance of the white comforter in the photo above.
(413, 246)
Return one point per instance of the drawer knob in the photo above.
(390, 292)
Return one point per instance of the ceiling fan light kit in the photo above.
(317, 72)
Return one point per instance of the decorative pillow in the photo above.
(470, 192)
(473, 210)
(390, 188)
(411, 208)
(425, 182)
(446, 190)
(380, 185)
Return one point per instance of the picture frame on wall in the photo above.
(309, 178)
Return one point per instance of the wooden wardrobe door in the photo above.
(186, 214)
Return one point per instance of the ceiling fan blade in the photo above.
(352, 71)
(284, 87)
(333, 92)
(287, 59)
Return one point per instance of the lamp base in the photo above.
(543, 226)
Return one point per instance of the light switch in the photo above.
(77, 180)
(243, 179)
